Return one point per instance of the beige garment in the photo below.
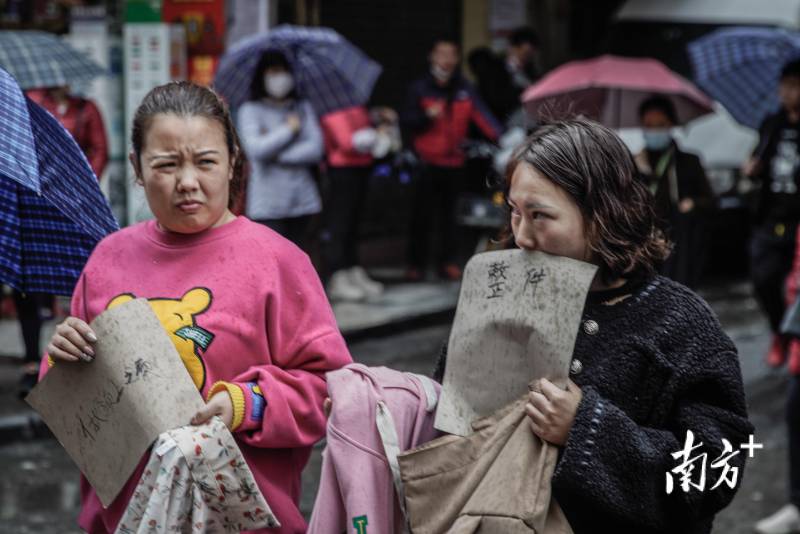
(496, 479)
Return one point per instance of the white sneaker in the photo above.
(784, 521)
(360, 278)
(342, 288)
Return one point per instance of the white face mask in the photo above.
(441, 74)
(278, 85)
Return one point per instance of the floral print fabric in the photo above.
(196, 482)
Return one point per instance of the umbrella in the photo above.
(40, 59)
(610, 88)
(741, 67)
(52, 211)
(329, 71)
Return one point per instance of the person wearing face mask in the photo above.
(283, 142)
(680, 188)
(439, 110)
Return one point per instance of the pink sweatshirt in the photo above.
(247, 313)
(356, 490)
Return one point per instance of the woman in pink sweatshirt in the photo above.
(243, 305)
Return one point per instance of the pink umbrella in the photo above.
(609, 89)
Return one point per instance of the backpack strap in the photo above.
(391, 446)
(431, 396)
(391, 442)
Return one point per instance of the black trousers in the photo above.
(771, 255)
(433, 216)
(344, 207)
(685, 264)
(295, 229)
(793, 425)
(29, 315)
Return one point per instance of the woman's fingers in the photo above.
(540, 402)
(72, 341)
(58, 354)
(204, 414)
(79, 332)
(84, 329)
(550, 390)
(220, 404)
(61, 345)
(537, 419)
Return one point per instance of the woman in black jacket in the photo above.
(651, 362)
(683, 197)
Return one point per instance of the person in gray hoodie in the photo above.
(283, 142)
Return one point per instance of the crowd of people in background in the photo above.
(308, 176)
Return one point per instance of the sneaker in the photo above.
(450, 271)
(777, 351)
(360, 278)
(342, 288)
(784, 521)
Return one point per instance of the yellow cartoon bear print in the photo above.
(178, 316)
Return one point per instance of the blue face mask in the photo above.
(657, 139)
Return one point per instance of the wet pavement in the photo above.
(39, 490)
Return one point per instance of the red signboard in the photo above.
(204, 21)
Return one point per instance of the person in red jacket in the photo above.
(354, 138)
(81, 118)
(440, 108)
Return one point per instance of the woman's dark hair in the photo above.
(791, 69)
(659, 103)
(186, 99)
(270, 58)
(593, 165)
(524, 34)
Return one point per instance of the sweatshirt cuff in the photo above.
(255, 405)
(237, 400)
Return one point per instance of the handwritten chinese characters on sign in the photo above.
(517, 318)
(108, 412)
(497, 279)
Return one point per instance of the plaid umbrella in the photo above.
(52, 212)
(39, 59)
(740, 67)
(329, 71)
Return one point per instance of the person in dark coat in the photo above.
(493, 82)
(651, 362)
(775, 165)
(682, 193)
(502, 80)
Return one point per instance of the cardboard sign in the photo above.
(517, 319)
(108, 412)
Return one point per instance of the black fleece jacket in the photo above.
(657, 366)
